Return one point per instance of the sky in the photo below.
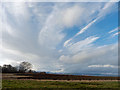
(61, 37)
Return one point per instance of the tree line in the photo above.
(21, 68)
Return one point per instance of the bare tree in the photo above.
(25, 66)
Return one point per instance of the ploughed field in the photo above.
(43, 80)
(55, 76)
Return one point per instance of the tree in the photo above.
(9, 69)
(25, 67)
(0, 69)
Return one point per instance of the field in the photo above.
(44, 81)
(59, 84)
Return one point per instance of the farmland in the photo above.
(60, 81)
(59, 84)
(55, 76)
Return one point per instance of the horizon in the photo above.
(61, 37)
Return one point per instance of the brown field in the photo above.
(44, 76)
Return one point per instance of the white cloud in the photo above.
(104, 56)
(59, 19)
(52, 27)
(18, 10)
(114, 30)
(96, 54)
(71, 16)
(102, 13)
(102, 66)
(86, 27)
(82, 45)
(66, 42)
(115, 34)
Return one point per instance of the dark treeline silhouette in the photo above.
(9, 69)
(22, 68)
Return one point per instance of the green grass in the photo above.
(57, 84)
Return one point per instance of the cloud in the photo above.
(66, 42)
(52, 27)
(102, 66)
(20, 33)
(34, 32)
(102, 56)
(82, 45)
(61, 18)
(88, 55)
(102, 13)
(86, 27)
(71, 15)
(114, 30)
(61, 1)
(115, 34)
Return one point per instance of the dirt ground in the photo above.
(14, 76)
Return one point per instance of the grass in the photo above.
(58, 84)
